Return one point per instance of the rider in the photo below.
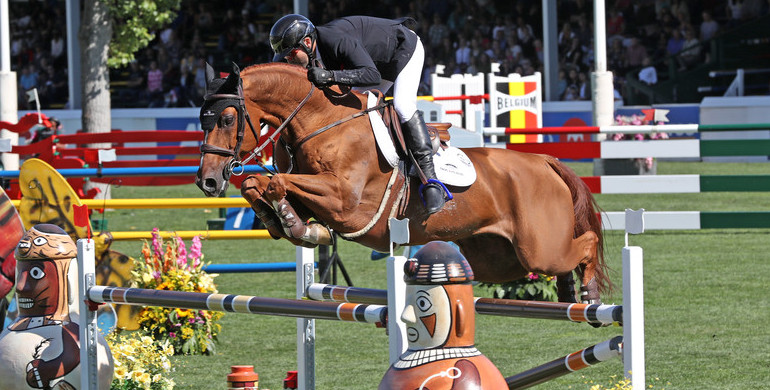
(362, 51)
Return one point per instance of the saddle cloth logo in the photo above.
(453, 167)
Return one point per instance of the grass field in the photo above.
(707, 306)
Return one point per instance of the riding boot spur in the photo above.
(418, 141)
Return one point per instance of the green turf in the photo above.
(707, 305)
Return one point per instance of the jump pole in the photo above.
(586, 357)
(576, 312)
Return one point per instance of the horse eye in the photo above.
(40, 240)
(227, 120)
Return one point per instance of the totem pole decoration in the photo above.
(41, 350)
(440, 322)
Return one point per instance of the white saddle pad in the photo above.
(453, 167)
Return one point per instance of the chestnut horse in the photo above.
(524, 213)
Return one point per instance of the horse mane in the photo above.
(296, 73)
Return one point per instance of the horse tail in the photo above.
(587, 216)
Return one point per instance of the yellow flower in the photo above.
(120, 372)
(183, 312)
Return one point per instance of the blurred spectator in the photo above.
(204, 20)
(561, 83)
(566, 36)
(635, 53)
(709, 27)
(135, 92)
(57, 48)
(437, 31)
(734, 12)
(463, 52)
(691, 50)
(616, 57)
(573, 56)
(28, 78)
(458, 17)
(584, 86)
(155, 85)
(616, 25)
(571, 94)
(648, 74)
(675, 42)
(56, 85)
(524, 31)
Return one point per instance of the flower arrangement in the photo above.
(638, 120)
(168, 266)
(533, 287)
(140, 362)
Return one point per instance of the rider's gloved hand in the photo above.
(320, 77)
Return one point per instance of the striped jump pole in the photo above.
(691, 220)
(586, 357)
(352, 312)
(670, 148)
(259, 234)
(676, 184)
(138, 171)
(576, 312)
(672, 128)
(160, 203)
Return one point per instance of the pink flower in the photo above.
(533, 276)
(156, 247)
(181, 250)
(639, 137)
(195, 251)
(172, 334)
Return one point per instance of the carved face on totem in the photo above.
(43, 257)
(428, 316)
(438, 297)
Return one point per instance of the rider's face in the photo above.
(297, 57)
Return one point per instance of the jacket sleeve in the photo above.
(358, 68)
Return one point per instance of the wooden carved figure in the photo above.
(440, 322)
(41, 349)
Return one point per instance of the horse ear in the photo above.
(231, 83)
(210, 73)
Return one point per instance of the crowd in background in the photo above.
(466, 36)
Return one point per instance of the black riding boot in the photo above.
(418, 142)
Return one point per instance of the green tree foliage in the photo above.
(134, 23)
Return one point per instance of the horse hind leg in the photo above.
(565, 287)
(588, 267)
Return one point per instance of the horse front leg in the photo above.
(293, 226)
(253, 189)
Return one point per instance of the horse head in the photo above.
(221, 118)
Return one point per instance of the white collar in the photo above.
(412, 358)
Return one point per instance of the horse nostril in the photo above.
(210, 184)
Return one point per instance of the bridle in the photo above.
(243, 117)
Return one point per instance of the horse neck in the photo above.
(274, 91)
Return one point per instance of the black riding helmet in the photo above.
(287, 34)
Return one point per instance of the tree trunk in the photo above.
(95, 34)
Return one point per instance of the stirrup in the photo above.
(436, 183)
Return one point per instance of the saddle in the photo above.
(438, 132)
